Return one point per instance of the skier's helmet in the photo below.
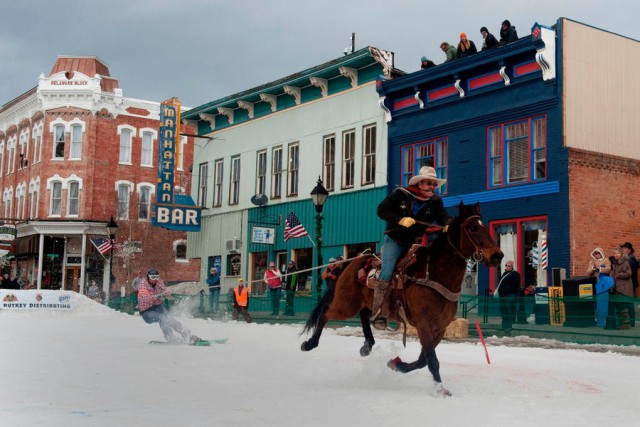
(153, 274)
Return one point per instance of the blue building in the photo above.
(532, 130)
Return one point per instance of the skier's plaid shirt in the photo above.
(150, 296)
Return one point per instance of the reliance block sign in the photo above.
(174, 212)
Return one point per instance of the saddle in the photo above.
(370, 270)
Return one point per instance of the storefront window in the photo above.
(523, 240)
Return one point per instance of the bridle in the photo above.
(477, 255)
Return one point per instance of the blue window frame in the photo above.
(434, 152)
(517, 152)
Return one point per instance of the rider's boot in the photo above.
(379, 293)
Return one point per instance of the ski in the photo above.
(199, 343)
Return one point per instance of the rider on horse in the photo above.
(407, 211)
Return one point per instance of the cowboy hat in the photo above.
(426, 172)
(628, 246)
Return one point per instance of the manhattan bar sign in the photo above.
(174, 212)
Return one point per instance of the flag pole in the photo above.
(311, 240)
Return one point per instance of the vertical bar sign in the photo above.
(169, 131)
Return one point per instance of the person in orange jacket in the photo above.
(240, 302)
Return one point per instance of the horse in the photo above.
(427, 297)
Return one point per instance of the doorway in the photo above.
(72, 278)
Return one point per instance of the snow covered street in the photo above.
(94, 367)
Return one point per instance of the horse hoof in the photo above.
(303, 347)
(441, 391)
(365, 350)
(393, 363)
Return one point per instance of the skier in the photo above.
(151, 294)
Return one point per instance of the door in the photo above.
(72, 279)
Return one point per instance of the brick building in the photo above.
(74, 153)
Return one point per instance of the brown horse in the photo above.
(429, 295)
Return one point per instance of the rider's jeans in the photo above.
(391, 253)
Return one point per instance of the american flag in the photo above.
(293, 228)
(102, 244)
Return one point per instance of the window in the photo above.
(181, 252)
(523, 240)
(432, 153)
(329, 162)
(34, 198)
(58, 142)
(11, 154)
(348, 158)
(126, 136)
(76, 142)
(23, 203)
(145, 203)
(202, 184)
(147, 149)
(1, 156)
(123, 200)
(56, 198)
(517, 152)
(74, 195)
(292, 174)
(276, 173)
(37, 143)
(261, 172)
(7, 199)
(20, 200)
(234, 189)
(368, 154)
(217, 183)
(24, 148)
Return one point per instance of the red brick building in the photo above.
(74, 153)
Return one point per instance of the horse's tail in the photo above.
(320, 309)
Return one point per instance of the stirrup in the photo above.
(380, 323)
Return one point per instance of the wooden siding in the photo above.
(213, 236)
(602, 102)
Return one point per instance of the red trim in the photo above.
(519, 242)
(403, 103)
(526, 68)
(487, 80)
(443, 92)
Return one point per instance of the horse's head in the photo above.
(470, 236)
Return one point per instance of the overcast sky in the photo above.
(203, 50)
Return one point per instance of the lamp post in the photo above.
(112, 227)
(319, 195)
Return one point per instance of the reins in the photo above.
(442, 290)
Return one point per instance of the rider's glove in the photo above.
(407, 221)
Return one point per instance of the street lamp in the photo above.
(319, 195)
(112, 227)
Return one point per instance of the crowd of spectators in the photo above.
(467, 47)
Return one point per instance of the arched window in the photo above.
(126, 133)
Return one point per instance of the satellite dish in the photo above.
(259, 200)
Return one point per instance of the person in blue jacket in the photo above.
(213, 282)
(601, 266)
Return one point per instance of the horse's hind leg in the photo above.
(365, 350)
(312, 342)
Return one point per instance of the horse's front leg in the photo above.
(398, 365)
(365, 350)
(312, 342)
